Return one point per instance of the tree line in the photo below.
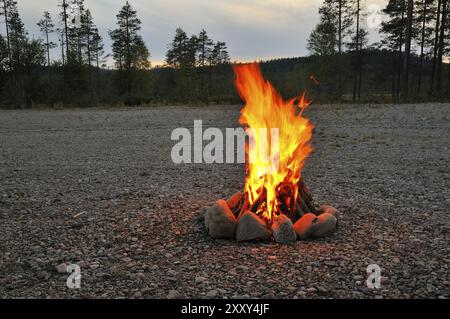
(415, 38)
(29, 76)
(68, 63)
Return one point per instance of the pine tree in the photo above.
(394, 30)
(408, 40)
(77, 12)
(205, 47)
(343, 18)
(47, 27)
(98, 54)
(86, 34)
(219, 54)
(4, 12)
(441, 45)
(437, 20)
(323, 39)
(424, 15)
(64, 15)
(356, 45)
(178, 49)
(4, 61)
(17, 34)
(129, 50)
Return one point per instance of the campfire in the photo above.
(275, 202)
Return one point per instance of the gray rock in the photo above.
(326, 225)
(221, 221)
(173, 294)
(199, 279)
(305, 226)
(61, 268)
(212, 293)
(206, 219)
(251, 227)
(283, 230)
(234, 200)
(328, 209)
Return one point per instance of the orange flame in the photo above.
(265, 110)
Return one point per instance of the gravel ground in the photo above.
(98, 188)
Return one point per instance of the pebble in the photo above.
(61, 268)
(173, 294)
(212, 293)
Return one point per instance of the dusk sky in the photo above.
(252, 29)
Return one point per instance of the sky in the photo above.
(253, 29)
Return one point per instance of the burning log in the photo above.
(234, 201)
(305, 195)
(260, 201)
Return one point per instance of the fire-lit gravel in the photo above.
(98, 188)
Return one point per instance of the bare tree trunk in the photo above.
(360, 73)
(340, 50)
(88, 43)
(355, 84)
(66, 29)
(5, 11)
(407, 48)
(48, 48)
(441, 47)
(422, 44)
(97, 73)
(435, 49)
(62, 49)
(128, 61)
(400, 53)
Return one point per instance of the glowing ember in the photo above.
(274, 168)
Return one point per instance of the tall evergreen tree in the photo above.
(205, 47)
(98, 55)
(357, 42)
(343, 20)
(6, 6)
(323, 40)
(176, 55)
(394, 30)
(424, 15)
(47, 27)
(64, 15)
(219, 54)
(435, 45)
(4, 61)
(17, 34)
(441, 45)
(408, 40)
(129, 50)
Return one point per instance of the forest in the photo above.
(406, 65)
